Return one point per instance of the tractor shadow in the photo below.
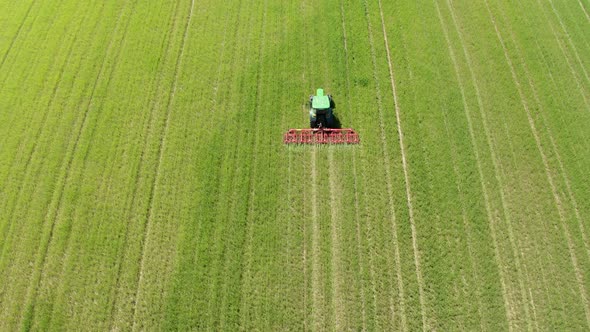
(336, 124)
(336, 121)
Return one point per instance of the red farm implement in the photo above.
(321, 136)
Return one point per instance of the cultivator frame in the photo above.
(321, 136)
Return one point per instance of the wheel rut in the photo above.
(160, 153)
(426, 325)
(553, 145)
(510, 311)
(355, 178)
(147, 129)
(573, 71)
(388, 181)
(16, 35)
(58, 196)
(249, 239)
(551, 181)
(570, 40)
(584, 10)
(37, 134)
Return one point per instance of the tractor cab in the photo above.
(320, 101)
(320, 113)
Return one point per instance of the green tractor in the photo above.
(321, 114)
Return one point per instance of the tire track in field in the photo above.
(44, 246)
(563, 51)
(561, 212)
(386, 159)
(354, 173)
(337, 301)
(520, 256)
(9, 71)
(317, 291)
(292, 300)
(291, 208)
(565, 56)
(542, 264)
(548, 67)
(571, 67)
(316, 285)
(359, 245)
(220, 250)
(554, 148)
(140, 165)
(522, 240)
(372, 254)
(569, 39)
(115, 61)
(213, 286)
(465, 219)
(16, 36)
(77, 140)
(497, 257)
(464, 215)
(290, 211)
(577, 26)
(529, 245)
(35, 140)
(305, 192)
(161, 147)
(10, 220)
(250, 220)
(305, 273)
(371, 247)
(584, 10)
(25, 79)
(425, 323)
(498, 171)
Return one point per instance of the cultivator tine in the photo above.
(324, 136)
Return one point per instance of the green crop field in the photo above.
(144, 184)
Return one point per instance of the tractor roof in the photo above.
(320, 101)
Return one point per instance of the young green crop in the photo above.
(144, 184)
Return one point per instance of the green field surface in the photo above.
(144, 183)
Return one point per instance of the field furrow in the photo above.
(491, 219)
(160, 153)
(46, 231)
(426, 325)
(392, 211)
(570, 40)
(13, 170)
(150, 120)
(550, 179)
(553, 147)
(357, 242)
(584, 10)
(53, 221)
(27, 16)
